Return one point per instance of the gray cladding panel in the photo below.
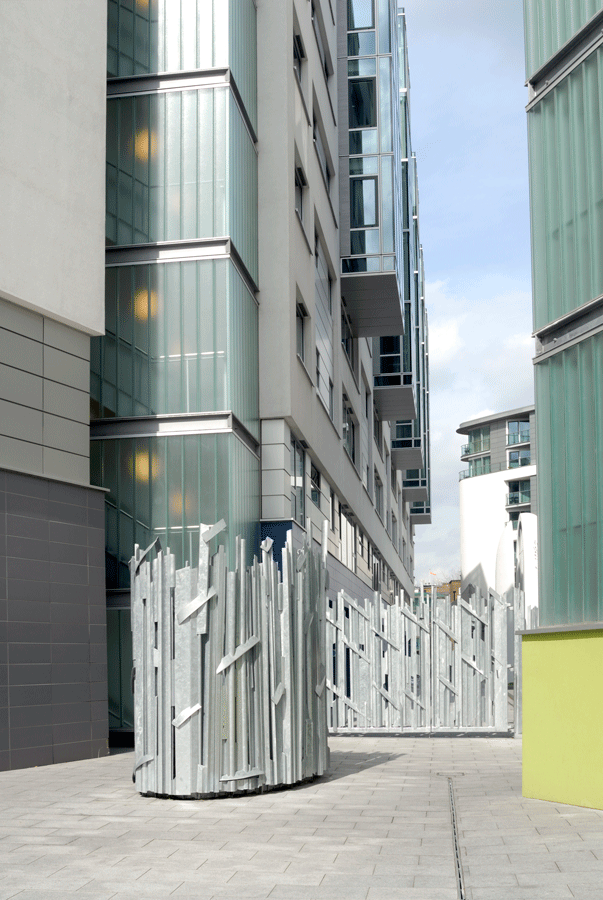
(52, 641)
(44, 391)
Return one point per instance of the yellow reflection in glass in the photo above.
(144, 467)
(176, 503)
(145, 304)
(142, 4)
(142, 144)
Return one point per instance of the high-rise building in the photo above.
(563, 731)
(53, 664)
(263, 356)
(265, 317)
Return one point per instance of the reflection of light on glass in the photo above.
(145, 304)
(142, 4)
(143, 467)
(176, 503)
(142, 144)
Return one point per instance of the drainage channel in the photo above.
(460, 883)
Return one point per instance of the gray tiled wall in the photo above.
(53, 655)
(44, 395)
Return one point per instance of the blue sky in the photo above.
(468, 120)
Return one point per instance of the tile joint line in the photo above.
(460, 882)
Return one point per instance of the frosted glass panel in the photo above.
(184, 339)
(550, 23)
(181, 165)
(164, 487)
(569, 423)
(566, 138)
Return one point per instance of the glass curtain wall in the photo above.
(181, 324)
(550, 23)
(570, 475)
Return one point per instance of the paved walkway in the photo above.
(378, 828)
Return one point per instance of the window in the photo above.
(377, 429)
(298, 56)
(360, 544)
(479, 440)
(348, 429)
(480, 466)
(519, 492)
(300, 330)
(518, 431)
(519, 458)
(333, 511)
(362, 103)
(394, 531)
(363, 202)
(320, 42)
(298, 464)
(322, 156)
(315, 485)
(331, 400)
(300, 185)
(514, 518)
(378, 495)
(360, 14)
(317, 369)
(347, 337)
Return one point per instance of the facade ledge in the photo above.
(374, 304)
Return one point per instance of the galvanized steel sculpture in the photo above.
(229, 691)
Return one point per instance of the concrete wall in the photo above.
(53, 656)
(52, 158)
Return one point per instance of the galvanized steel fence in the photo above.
(229, 666)
(441, 667)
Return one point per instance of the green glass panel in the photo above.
(566, 182)
(186, 340)
(549, 24)
(569, 423)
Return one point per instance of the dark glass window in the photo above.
(363, 202)
(362, 103)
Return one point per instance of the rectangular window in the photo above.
(348, 429)
(298, 465)
(362, 103)
(314, 484)
(347, 337)
(298, 56)
(300, 330)
(333, 511)
(300, 185)
(479, 440)
(322, 156)
(321, 41)
(519, 492)
(480, 466)
(519, 458)
(394, 531)
(518, 432)
(376, 428)
(331, 400)
(360, 14)
(363, 202)
(378, 495)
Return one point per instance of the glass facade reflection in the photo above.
(181, 337)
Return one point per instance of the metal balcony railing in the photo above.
(516, 497)
(480, 446)
(519, 437)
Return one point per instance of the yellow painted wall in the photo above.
(563, 717)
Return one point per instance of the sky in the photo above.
(468, 121)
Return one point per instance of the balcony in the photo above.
(415, 487)
(518, 437)
(420, 514)
(407, 453)
(481, 446)
(516, 498)
(373, 299)
(394, 397)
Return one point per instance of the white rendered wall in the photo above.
(483, 518)
(527, 559)
(52, 158)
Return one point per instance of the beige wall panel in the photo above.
(67, 466)
(20, 387)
